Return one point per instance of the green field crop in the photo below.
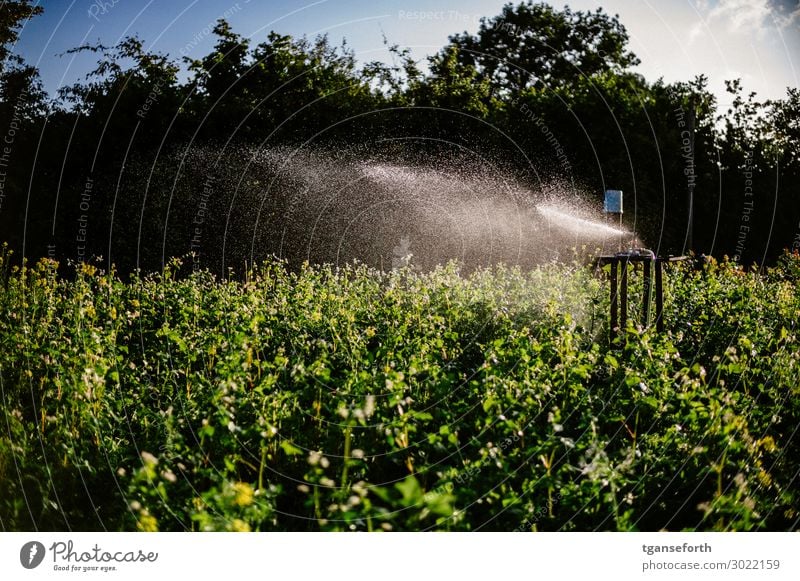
(349, 399)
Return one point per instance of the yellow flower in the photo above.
(239, 526)
(244, 494)
(147, 522)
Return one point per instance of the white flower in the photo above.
(369, 405)
(91, 380)
(148, 458)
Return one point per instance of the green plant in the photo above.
(351, 399)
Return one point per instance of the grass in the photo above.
(348, 399)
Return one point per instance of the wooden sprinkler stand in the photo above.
(619, 286)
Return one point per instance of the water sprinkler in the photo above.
(612, 205)
(612, 208)
(651, 265)
(613, 202)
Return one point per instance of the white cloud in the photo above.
(696, 31)
(748, 16)
(742, 15)
(789, 17)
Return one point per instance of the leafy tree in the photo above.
(307, 86)
(557, 83)
(21, 92)
(758, 156)
(782, 129)
(12, 16)
(128, 82)
(281, 81)
(217, 74)
(391, 82)
(23, 106)
(453, 85)
(532, 45)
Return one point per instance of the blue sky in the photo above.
(757, 40)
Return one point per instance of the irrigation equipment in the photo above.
(652, 267)
(612, 208)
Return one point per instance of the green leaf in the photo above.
(290, 449)
(411, 490)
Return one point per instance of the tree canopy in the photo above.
(533, 45)
(534, 86)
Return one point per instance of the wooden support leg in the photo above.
(612, 324)
(659, 298)
(623, 295)
(647, 266)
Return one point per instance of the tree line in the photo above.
(100, 169)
